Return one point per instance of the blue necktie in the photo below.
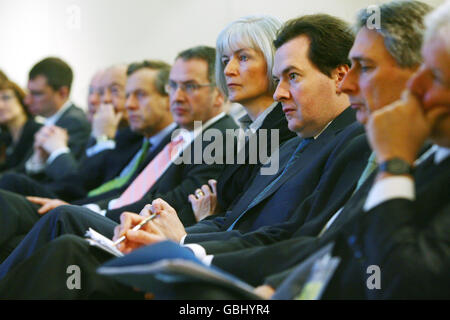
(302, 145)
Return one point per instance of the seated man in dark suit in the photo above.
(49, 86)
(110, 119)
(106, 91)
(175, 181)
(307, 165)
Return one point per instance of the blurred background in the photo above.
(91, 34)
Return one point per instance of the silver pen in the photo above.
(136, 228)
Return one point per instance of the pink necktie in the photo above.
(139, 187)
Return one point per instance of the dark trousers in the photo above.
(17, 217)
(24, 185)
(51, 274)
(62, 220)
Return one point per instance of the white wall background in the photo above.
(91, 34)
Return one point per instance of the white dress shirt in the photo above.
(400, 187)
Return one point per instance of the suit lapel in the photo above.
(273, 120)
(432, 185)
(152, 154)
(308, 154)
(223, 123)
(64, 114)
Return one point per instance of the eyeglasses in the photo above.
(189, 87)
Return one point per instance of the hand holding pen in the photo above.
(136, 228)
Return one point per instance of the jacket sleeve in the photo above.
(413, 254)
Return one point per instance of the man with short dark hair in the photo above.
(49, 86)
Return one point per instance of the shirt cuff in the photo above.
(34, 167)
(390, 188)
(55, 154)
(96, 208)
(100, 146)
(200, 253)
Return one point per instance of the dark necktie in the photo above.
(296, 155)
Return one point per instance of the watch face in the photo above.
(397, 166)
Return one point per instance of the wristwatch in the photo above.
(396, 166)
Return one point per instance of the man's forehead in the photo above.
(141, 79)
(189, 70)
(96, 79)
(38, 81)
(109, 81)
(368, 45)
(436, 56)
(114, 75)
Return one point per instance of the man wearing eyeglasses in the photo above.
(191, 99)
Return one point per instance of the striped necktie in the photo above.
(151, 173)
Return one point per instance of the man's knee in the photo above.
(70, 241)
(65, 212)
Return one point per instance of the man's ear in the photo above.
(166, 103)
(64, 92)
(218, 97)
(338, 76)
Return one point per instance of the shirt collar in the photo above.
(157, 138)
(441, 154)
(212, 120)
(54, 118)
(190, 135)
(324, 128)
(247, 123)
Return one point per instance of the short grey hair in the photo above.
(256, 32)
(438, 24)
(402, 28)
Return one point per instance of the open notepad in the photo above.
(165, 262)
(98, 240)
